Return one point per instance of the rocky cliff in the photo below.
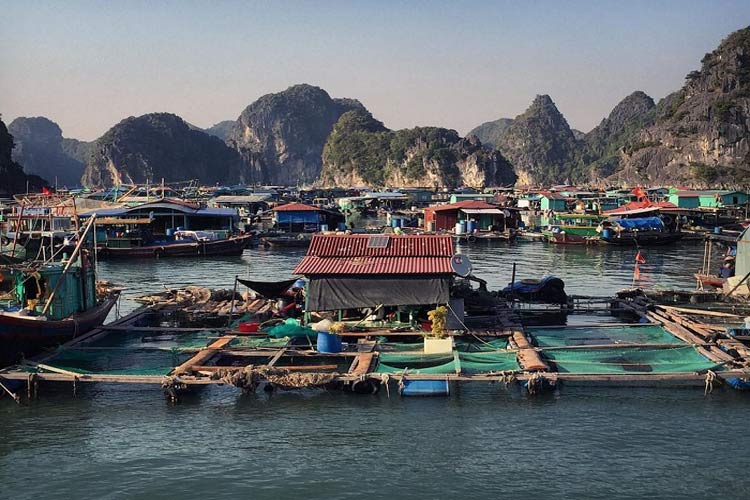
(699, 135)
(42, 150)
(360, 151)
(540, 144)
(221, 129)
(603, 145)
(491, 133)
(14, 180)
(159, 145)
(280, 136)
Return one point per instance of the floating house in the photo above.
(248, 204)
(301, 218)
(456, 197)
(167, 214)
(553, 201)
(708, 199)
(358, 271)
(444, 217)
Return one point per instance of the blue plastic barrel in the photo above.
(462, 224)
(395, 222)
(425, 388)
(342, 226)
(717, 229)
(329, 342)
(170, 231)
(606, 233)
(472, 225)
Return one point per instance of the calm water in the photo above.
(483, 442)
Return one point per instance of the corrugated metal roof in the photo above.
(296, 207)
(312, 265)
(352, 254)
(462, 204)
(356, 245)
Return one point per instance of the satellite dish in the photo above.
(461, 265)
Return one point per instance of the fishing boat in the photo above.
(707, 280)
(641, 227)
(167, 228)
(46, 305)
(573, 229)
(301, 240)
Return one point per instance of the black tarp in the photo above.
(269, 289)
(330, 294)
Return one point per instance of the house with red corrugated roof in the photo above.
(445, 217)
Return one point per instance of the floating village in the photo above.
(382, 299)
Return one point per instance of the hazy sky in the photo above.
(87, 65)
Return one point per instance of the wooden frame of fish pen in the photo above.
(301, 365)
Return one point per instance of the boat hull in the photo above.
(287, 242)
(25, 337)
(228, 247)
(643, 240)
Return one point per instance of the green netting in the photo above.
(481, 346)
(561, 337)
(118, 361)
(416, 363)
(473, 363)
(291, 328)
(469, 363)
(629, 360)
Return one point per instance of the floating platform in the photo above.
(657, 345)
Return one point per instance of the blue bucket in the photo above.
(323, 228)
(606, 233)
(329, 342)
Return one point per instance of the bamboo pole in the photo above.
(72, 259)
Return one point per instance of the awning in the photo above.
(331, 294)
(493, 211)
(269, 289)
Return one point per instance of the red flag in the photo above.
(46, 191)
(639, 259)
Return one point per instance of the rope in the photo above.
(384, 379)
(710, 377)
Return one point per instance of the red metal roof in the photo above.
(296, 207)
(640, 205)
(462, 204)
(404, 254)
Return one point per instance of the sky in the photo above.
(89, 64)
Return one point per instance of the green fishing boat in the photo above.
(573, 229)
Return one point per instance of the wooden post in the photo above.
(72, 259)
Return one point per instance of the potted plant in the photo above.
(438, 341)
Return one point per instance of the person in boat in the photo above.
(727, 269)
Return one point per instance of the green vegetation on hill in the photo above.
(361, 150)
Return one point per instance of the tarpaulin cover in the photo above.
(641, 223)
(269, 289)
(330, 294)
(549, 289)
